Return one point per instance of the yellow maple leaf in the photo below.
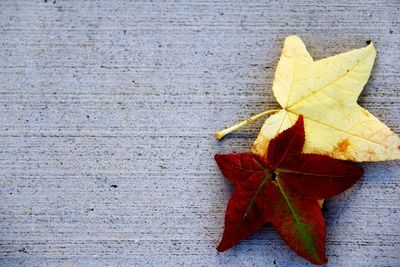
(325, 92)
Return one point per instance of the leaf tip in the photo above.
(370, 45)
(322, 261)
(293, 38)
(300, 120)
(222, 247)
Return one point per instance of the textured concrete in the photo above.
(107, 115)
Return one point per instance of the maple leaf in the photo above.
(325, 92)
(282, 187)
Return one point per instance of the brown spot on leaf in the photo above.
(342, 146)
(341, 150)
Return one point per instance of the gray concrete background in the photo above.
(107, 115)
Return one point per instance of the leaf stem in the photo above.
(219, 135)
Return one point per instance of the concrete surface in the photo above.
(107, 115)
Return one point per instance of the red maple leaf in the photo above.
(283, 187)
